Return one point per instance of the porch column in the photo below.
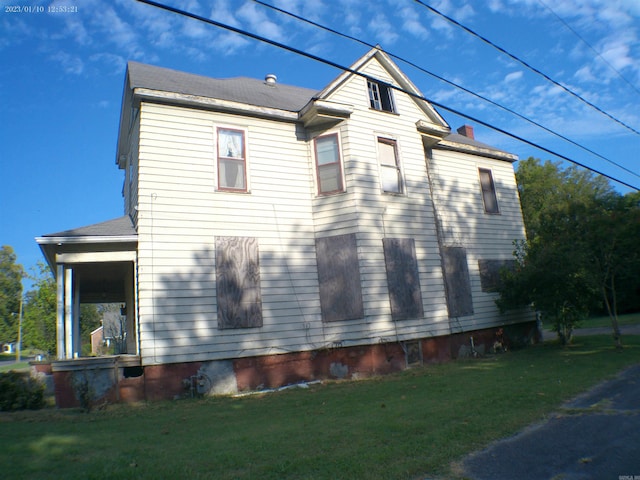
(60, 353)
(131, 323)
(75, 316)
(68, 312)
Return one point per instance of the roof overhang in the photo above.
(324, 113)
(195, 101)
(431, 133)
(87, 249)
(476, 149)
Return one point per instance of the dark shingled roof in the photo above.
(456, 137)
(239, 89)
(118, 227)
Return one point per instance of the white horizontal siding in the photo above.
(458, 198)
(180, 214)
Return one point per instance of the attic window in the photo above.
(380, 96)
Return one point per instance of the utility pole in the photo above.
(18, 350)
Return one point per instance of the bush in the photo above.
(18, 391)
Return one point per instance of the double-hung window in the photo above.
(328, 164)
(390, 175)
(380, 96)
(232, 161)
(488, 191)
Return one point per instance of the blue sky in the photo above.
(62, 75)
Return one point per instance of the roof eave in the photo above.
(86, 239)
(476, 150)
(207, 103)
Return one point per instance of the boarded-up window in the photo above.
(488, 191)
(402, 278)
(238, 282)
(490, 273)
(339, 277)
(457, 282)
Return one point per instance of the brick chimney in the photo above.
(466, 130)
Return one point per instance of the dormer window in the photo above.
(380, 96)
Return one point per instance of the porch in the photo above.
(94, 264)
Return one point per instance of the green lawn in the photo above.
(406, 426)
(595, 322)
(12, 365)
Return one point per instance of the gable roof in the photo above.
(399, 78)
(239, 89)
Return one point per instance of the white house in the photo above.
(274, 234)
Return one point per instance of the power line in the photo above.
(449, 82)
(589, 45)
(524, 63)
(368, 77)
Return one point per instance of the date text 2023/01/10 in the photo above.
(40, 9)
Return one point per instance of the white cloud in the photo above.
(384, 33)
(114, 63)
(513, 76)
(70, 63)
(411, 22)
(259, 22)
(616, 51)
(74, 27)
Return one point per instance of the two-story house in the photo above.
(275, 234)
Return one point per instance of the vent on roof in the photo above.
(270, 79)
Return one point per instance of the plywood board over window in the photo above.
(457, 281)
(403, 279)
(238, 282)
(339, 277)
(490, 273)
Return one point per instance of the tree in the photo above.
(613, 231)
(582, 240)
(39, 324)
(11, 275)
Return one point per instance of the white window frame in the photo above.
(493, 190)
(218, 157)
(375, 90)
(340, 164)
(382, 139)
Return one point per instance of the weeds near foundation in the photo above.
(84, 391)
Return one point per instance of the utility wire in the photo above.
(589, 45)
(331, 63)
(449, 82)
(522, 62)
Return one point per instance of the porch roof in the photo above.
(121, 227)
(117, 234)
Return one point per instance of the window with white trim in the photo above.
(328, 164)
(232, 161)
(380, 96)
(488, 191)
(390, 175)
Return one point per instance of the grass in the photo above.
(8, 366)
(405, 426)
(605, 321)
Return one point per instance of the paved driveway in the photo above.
(594, 436)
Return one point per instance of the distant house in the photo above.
(274, 234)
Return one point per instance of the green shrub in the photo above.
(18, 391)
